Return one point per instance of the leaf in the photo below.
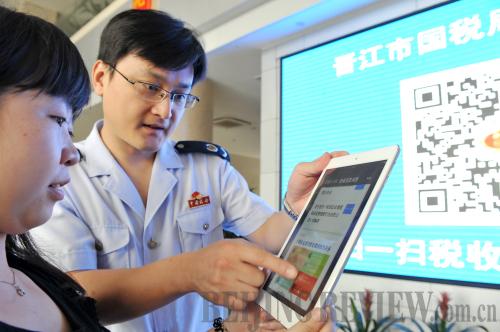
(343, 315)
(382, 320)
(367, 327)
(442, 323)
(358, 319)
(473, 328)
(442, 326)
(345, 318)
(343, 327)
(435, 325)
(389, 323)
(448, 329)
(418, 324)
(402, 327)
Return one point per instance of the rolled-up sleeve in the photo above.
(244, 211)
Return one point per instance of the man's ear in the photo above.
(99, 70)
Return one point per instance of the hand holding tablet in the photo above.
(304, 178)
(323, 237)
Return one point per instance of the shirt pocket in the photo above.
(199, 228)
(112, 247)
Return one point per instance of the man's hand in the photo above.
(229, 272)
(304, 177)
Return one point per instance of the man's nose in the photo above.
(163, 109)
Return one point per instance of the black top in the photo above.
(79, 310)
(9, 328)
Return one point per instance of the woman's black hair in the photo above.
(36, 55)
(155, 36)
(21, 248)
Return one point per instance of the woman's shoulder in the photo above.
(79, 310)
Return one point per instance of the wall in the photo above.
(248, 167)
(243, 140)
(269, 181)
(196, 122)
(83, 125)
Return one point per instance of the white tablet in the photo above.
(323, 237)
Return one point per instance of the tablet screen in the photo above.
(324, 228)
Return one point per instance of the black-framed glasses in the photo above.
(153, 93)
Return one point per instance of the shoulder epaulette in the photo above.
(202, 147)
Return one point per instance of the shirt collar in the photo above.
(168, 157)
(100, 161)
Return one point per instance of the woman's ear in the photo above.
(98, 76)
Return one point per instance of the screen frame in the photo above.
(472, 284)
(300, 222)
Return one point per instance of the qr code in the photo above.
(451, 146)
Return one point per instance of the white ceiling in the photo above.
(61, 6)
(233, 69)
(236, 65)
(205, 15)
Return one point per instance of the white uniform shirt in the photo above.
(102, 222)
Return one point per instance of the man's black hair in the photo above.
(36, 55)
(155, 36)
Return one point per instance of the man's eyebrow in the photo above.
(161, 78)
(157, 76)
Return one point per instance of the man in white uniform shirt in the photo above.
(142, 220)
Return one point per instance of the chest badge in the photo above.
(198, 200)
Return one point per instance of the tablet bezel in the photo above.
(273, 304)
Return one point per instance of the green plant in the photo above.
(363, 320)
(440, 322)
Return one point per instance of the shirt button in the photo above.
(98, 245)
(152, 244)
(205, 226)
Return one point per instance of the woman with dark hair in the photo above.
(43, 87)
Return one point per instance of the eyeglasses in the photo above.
(153, 93)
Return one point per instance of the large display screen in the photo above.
(429, 82)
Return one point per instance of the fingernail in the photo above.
(291, 272)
